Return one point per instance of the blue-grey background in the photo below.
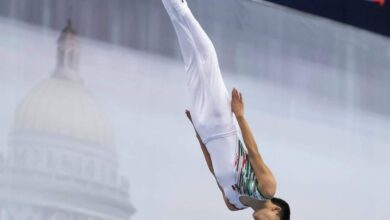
(316, 91)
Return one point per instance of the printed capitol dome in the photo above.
(61, 155)
(61, 105)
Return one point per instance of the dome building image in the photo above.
(61, 161)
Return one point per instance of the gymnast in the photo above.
(219, 122)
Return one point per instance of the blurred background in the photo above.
(92, 112)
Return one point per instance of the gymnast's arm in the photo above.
(263, 174)
(209, 163)
(202, 145)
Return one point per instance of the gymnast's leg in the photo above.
(210, 102)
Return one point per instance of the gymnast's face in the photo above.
(270, 212)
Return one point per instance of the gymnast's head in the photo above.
(274, 209)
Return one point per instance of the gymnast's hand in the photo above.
(188, 114)
(237, 103)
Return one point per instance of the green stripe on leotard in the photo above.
(246, 181)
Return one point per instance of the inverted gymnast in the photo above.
(242, 176)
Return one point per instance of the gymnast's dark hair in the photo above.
(284, 206)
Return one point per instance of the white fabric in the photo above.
(210, 101)
(223, 153)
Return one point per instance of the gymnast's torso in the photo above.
(233, 170)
